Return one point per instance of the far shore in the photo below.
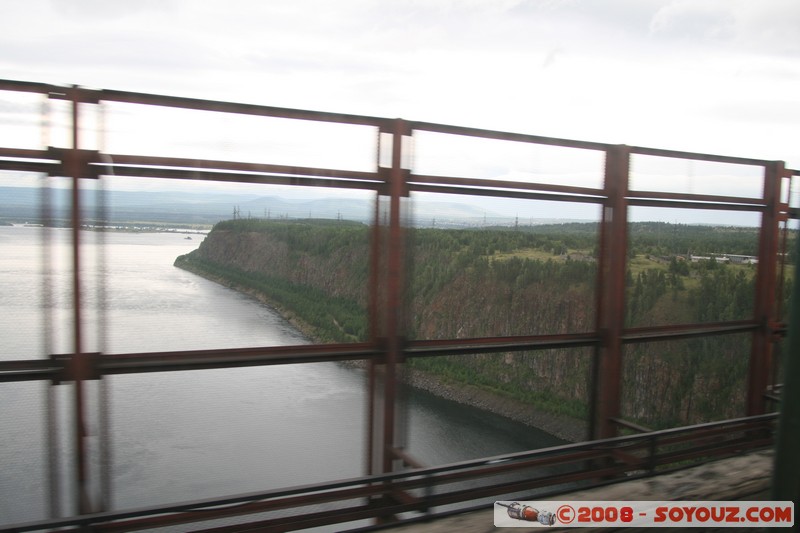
(129, 227)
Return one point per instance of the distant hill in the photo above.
(23, 204)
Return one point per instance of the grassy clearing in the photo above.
(640, 263)
(537, 254)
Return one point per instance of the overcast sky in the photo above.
(719, 76)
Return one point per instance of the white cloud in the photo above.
(768, 26)
(711, 76)
(82, 10)
(690, 20)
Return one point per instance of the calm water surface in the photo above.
(186, 435)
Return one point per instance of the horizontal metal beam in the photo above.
(237, 108)
(239, 177)
(114, 161)
(28, 166)
(690, 204)
(697, 156)
(130, 363)
(686, 331)
(503, 193)
(55, 368)
(434, 348)
(504, 184)
(88, 95)
(26, 160)
(29, 86)
(26, 154)
(111, 364)
(696, 198)
(506, 136)
(31, 370)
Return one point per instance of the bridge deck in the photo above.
(746, 477)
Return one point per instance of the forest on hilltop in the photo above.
(528, 280)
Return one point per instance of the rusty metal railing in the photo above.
(392, 181)
(420, 490)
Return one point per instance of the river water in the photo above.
(193, 434)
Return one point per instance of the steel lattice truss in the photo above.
(394, 481)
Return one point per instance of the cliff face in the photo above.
(314, 275)
(337, 267)
(494, 283)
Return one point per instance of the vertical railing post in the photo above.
(765, 308)
(78, 367)
(387, 304)
(375, 335)
(786, 471)
(395, 304)
(610, 311)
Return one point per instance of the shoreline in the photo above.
(297, 323)
(563, 427)
(560, 426)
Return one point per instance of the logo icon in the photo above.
(527, 513)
